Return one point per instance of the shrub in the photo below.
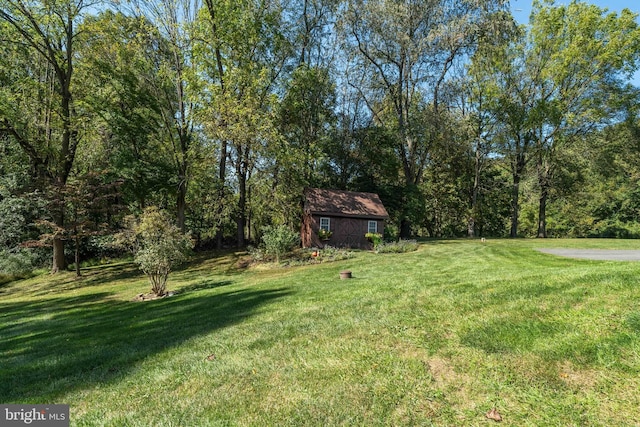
(305, 256)
(257, 254)
(157, 244)
(279, 240)
(329, 253)
(17, 217)
(17, 264)
(375, 238)
(400, 246)
(324, 234)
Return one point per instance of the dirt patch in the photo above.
(442, 373)
(578, 378)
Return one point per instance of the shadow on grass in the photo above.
(53, 346)
(45, 285)
(206, 284)
(110, 273)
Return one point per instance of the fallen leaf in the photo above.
(211, 357)
(493, 414)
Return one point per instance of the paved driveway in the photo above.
(596, 254)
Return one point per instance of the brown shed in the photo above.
(347, 215)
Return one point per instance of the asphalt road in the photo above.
(596, 254)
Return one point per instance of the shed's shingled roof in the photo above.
(344, 203)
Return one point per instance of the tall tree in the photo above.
(306, 117)
(406, 50)
(175, 20)
(122, 61)
(39, 108)
(583, 51)
(505, 73)
(216, 75)
(476, 96)
(250, 52)
(311, 23)
(552, 83)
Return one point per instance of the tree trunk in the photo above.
(77, 255)
(59, 261)
(222, 176)
(471, 222)
(543, 181)
(181, 203)
(515, 205)
(222, 168)
(219, 210)
(67, 151)
(471, 226)
(517, 169)
(405, 228)
(241, 220)
(542, 214)
(184, 138)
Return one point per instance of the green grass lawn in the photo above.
(434, 337)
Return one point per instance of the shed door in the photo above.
(349, 233)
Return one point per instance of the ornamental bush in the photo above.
(374, 238)
(17, 263)
(279, 240)
(158, 246)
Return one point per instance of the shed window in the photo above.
(373, 227)
(325, 224)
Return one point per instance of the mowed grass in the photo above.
(434, 337)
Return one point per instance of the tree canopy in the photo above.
(222, 112)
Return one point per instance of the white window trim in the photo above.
(327, 226)
(375, 227)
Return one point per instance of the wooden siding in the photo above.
(347, 232)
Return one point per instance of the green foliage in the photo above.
(304, 256)
(616, 229)
(13, 221)
(401, 246)
(17, 263)
(374, 238)
(553, 83)
(331, 253)
(42, 104)
(238, 106)
(324, 234)
(307, 113)
(125, 58)
(17, 217)
(158, 246)
(279, 240)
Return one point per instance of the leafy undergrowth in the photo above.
(299, 257)
(437, 336)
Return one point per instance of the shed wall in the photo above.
(347, 232)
